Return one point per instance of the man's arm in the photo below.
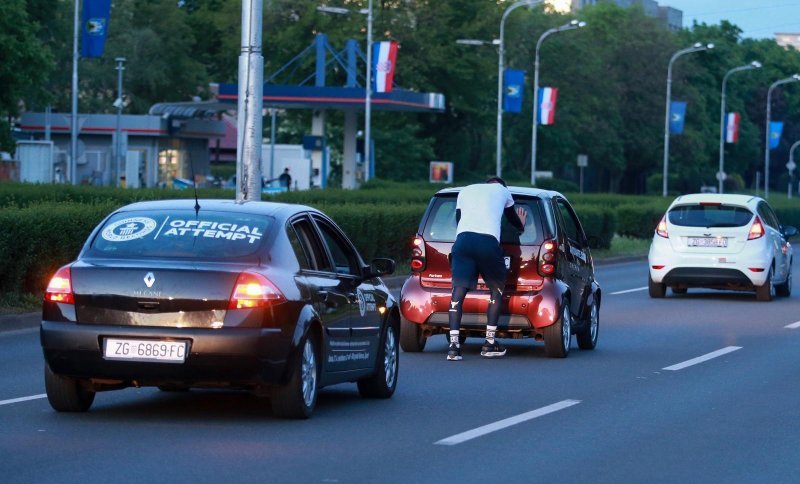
(516, 217)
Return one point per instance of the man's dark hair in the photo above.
(496, 179)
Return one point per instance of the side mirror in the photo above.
(380, 267)
(789, 231)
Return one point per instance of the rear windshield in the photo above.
(709, 216)
(181, 233)
(441, 223)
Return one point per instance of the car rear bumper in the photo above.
(522, 311)
(706, 277)
(218, 357)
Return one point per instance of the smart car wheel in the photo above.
(767, 291)
(298, 397)
(557, 336)
(587, 337)
(656, 290)
(412, 340)
(66, 394)
(382, 383)
(785, 289)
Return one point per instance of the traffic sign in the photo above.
(791, 165)
(722, 176)
(583, 160)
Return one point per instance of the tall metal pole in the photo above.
(775, 84)
(73, 179)
(250, 105)
(570, 26)
(752, 65)
(118, 103)
(368, 101)
(695, 48)
(500, 62)
(791, 166)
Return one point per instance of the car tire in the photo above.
(383, 382)
(412, 340)
(679, 290)
(656, 289)
(558, 335)
(785, 289)
(66, 394)
(298, 397)
(766, 292)
(587, 337)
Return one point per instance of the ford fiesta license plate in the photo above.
(144, 350)
(708, 242)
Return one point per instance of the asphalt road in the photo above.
(641, 407)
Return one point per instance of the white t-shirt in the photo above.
(482, 208)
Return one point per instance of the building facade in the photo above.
(155, 150)
(672, 18)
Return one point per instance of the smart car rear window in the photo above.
(709, 215)
(181, 233)
(440, 225)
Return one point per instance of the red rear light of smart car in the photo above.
(756, 230)
(547, 258)
(661, 229)
(254, 291)
(418, 254)
(60, 287)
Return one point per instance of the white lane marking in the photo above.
(23, 399)
(14, 332)
(629, 290)
(793, 325)
(508, 422)
(700, 359)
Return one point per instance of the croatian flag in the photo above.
(732, 127)
(547, 105)
(384, 55)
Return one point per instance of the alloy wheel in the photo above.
(390, 357)
(309, 373)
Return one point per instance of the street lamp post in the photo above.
(720, 175)
(73, 145)
(794, 78)
(512, 7)
(368, 89)
(572, 25)
(695, 48)
(118, 103)
(791, 165)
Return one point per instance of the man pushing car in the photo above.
(479, 211)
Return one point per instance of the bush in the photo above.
(639, 221)
(599, 223)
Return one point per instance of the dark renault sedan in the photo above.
(266, 297)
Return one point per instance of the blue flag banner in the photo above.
(677, 115)
(775, 131)
(94, 28)
(513, 83)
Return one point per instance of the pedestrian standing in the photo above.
(285, 180)
(479, 212)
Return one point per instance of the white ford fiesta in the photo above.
(721, 242)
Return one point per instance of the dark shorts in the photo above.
(477, 253)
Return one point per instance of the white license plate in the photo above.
(708, 242)
(144, 350)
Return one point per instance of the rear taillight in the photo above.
(254, 291)
(60, 287)
(418, 254)
(661, 229)
(547, 258)
(756, 230)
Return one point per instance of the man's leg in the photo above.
(454, 314)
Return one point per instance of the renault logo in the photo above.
(149, 279)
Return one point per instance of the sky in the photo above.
(757, 18)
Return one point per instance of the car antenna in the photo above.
(194, 184)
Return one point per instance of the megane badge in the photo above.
(149, 279)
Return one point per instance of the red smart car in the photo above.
(550, 294)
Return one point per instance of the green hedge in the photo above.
(599, 223)
(639, 221)
(37, 240)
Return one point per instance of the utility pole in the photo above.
(250, 105)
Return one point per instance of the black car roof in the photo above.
(529, 191)
(272, 209)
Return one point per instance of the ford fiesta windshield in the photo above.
(180, 234)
